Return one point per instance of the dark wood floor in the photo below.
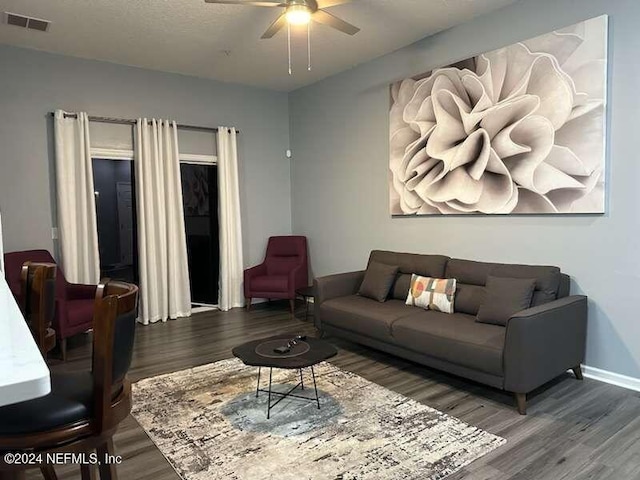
(574, 430)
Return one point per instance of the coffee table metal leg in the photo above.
(315, 387)
(301, 381)
(269, 400)
(306, 312)
(258, 385)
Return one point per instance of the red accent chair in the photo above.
(283, 270)
(74, 302)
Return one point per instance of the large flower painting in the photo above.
(517, 130)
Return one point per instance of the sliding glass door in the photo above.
(116, 212)
(200, 199)
(117, 226)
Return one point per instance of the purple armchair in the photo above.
(74, 302)
(283, 271)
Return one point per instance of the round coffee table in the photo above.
(304, 354)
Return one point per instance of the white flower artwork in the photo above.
(519, 130)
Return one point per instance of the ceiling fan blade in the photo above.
(275, 27)
(331, 20)
(331, 3)
(250, 3)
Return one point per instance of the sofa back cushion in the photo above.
(472, 278)
(409, 263)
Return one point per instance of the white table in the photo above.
(23, 372)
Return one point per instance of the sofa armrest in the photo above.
(543, 342)
(78, 291)
(338, 285)
(332, 286)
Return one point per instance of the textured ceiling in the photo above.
(223, 41)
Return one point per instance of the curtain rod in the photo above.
(130, 121)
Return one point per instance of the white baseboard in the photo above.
(611, 377)
(203, 308)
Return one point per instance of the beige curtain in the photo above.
(162, 247)
(76, 205)
(231, 261)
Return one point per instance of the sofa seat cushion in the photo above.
(455, 338)
(365, 316)
(270, 283)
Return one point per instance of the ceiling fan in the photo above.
(299, 12)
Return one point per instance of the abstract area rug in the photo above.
(209, 424)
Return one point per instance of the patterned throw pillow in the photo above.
(432, 293)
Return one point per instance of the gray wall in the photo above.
(33, 83)
(339, 133)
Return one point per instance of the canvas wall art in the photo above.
(519, 130)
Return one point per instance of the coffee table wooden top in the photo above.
(318, 350)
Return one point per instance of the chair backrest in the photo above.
(116, 309)
(285, 253)
(14, 261)
(37, 299)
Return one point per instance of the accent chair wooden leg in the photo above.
(107, 470)
(48, 472)
(63, 349)
(87, 472)
(292, 305)
(577, 371)
(521, 400)
(248, 300)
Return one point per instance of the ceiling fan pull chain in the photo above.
(289, 45)
(309, 46)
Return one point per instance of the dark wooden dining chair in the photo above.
(84, 409)
(37, 301)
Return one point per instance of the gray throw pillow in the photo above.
(378, 280)
(504, 298)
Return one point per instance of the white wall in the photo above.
(34, 83)
(339, 133)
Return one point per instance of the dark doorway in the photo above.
(200, 200)
(116, 216)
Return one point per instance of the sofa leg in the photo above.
(521, 400)
(577, 371)
(248, 300)
(292, 305)
(63, 349)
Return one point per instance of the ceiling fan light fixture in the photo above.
(298, 15)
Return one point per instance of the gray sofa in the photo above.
(537, 344)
